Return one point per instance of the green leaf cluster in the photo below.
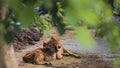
(42, 24)
(116, 7)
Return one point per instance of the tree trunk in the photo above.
(3, 11)
(7, 56)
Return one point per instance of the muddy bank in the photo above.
(27, 37)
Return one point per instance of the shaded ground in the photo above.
(97, 57)
(26, 37)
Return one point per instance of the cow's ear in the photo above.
(44, 44)
(52, 38)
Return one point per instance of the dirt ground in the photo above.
(96, 57)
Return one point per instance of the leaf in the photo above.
(84, 37)
(30, 2)
(14, 4)
(116, 62)
(58, 22)
(59, 25)
(90, 18)
(9, 37)
(71, 18)
(47, 4)
(26, 16)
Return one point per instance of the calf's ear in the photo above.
(44, 44)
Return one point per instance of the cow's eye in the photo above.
(59, 47)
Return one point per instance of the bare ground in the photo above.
(97, 57)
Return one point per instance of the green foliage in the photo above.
(111, 32)
(23, 12)
(10, 30)
(83, 36)
(116, 62)
(76, 13)
(116, 7)
(20, 14)
(47, 4)
(57, 17)
(9, 37)
(92, 13)
(42, 24)
(29, 2)
(26, 16)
